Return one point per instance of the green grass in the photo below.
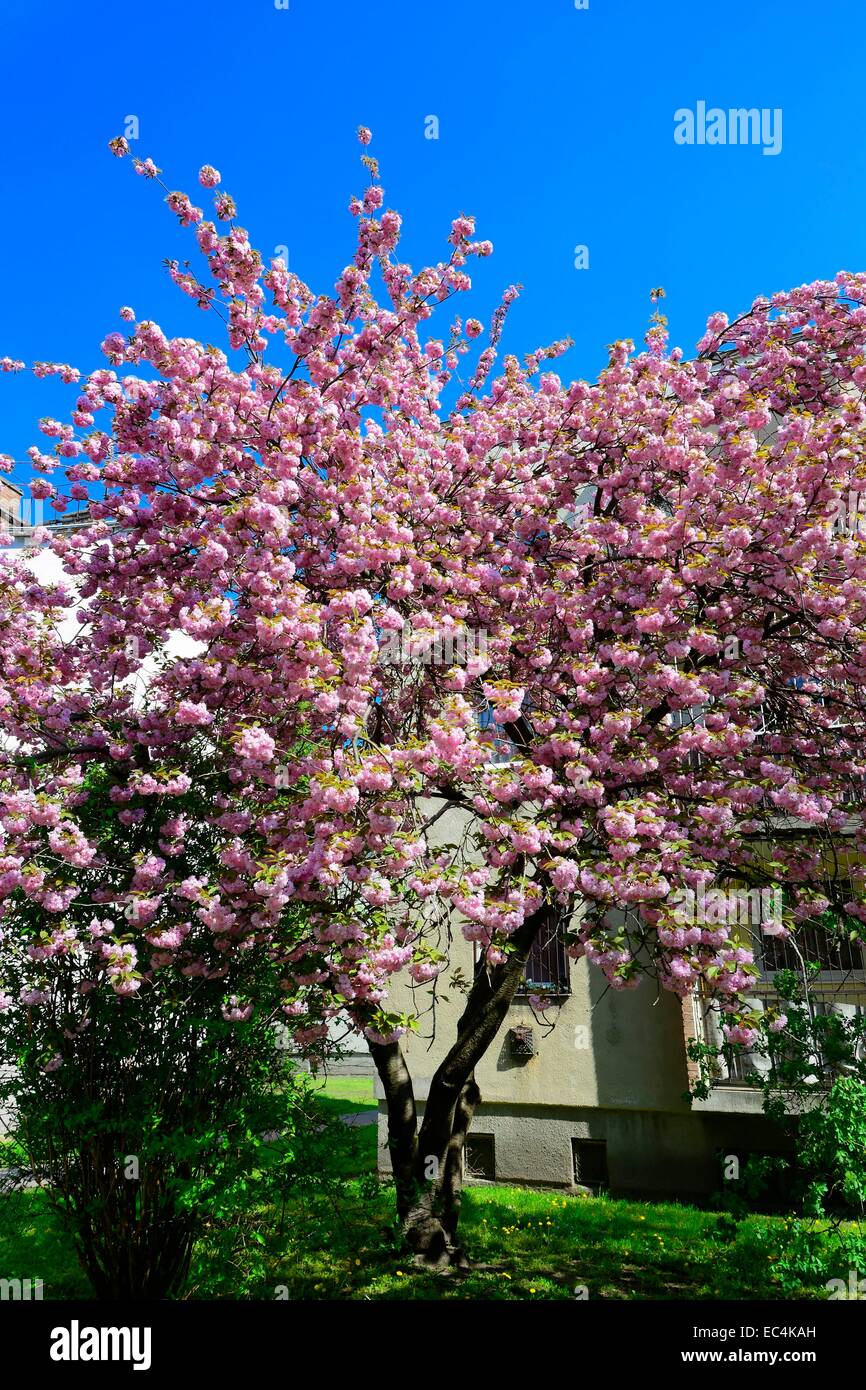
(33, 1247)
(539, 1245)
(357, 1091)
(523, 1243)
(352, 1095)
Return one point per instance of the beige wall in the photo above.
(597, 1047)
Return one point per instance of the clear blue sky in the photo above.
(555, 129)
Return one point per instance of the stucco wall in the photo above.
(597, 1047)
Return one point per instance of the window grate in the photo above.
(547, 969)
(590, 1162)
(832, 953)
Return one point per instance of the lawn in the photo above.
(524, 1244)
(357, 1091)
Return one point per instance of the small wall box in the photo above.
(521, 1041)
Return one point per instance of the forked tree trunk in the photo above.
(428, 1162)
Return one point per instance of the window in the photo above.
(835, 955)
(688, 718)
(547, 969)
(842, 972)
(501, 747)
(479, 1156)
(589, 1157)
(821, 942)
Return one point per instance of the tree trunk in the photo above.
(428, 1168)
(402, 1119)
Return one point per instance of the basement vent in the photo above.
(521, 1042)
(590, 1162)
(479, 1156)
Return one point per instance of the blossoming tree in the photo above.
(674, 606)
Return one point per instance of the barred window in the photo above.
(547, 968)
(815, 944)
(479, 1156)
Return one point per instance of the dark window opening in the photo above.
(590, 1162)
(479, 1156)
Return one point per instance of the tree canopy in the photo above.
(665, 565)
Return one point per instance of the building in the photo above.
(10, 506)
(595, 1093)
(19, 516)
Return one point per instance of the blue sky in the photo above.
(555, 129)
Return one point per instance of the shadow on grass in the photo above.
(523, 1244)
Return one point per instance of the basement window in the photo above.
(479, 1157)
(590, 1162)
